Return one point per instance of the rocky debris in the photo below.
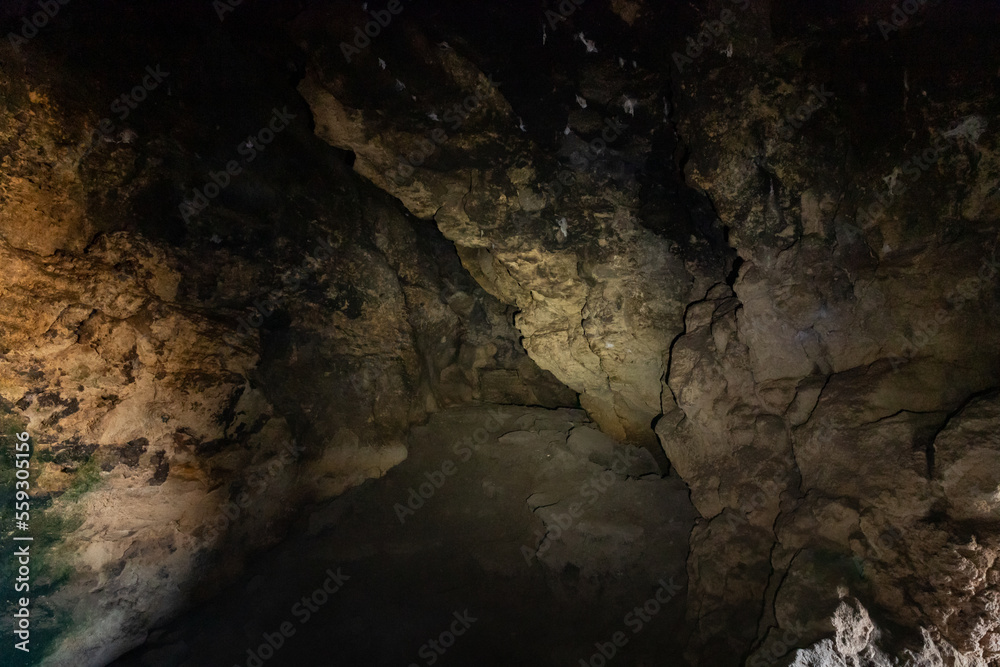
(857, 640)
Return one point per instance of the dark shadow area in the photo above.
(450, 533)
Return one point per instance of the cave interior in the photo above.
(543, 332)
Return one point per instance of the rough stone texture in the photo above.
(800, 401)
(803, 315)
(98, 354)
(170, 374)
(599, 295)
(44, 202)
(547, 509)
(854, 340)
(96, 359)
(857, 639)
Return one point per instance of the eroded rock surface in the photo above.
(801, 398)
(758, 236)
(533, 521)
(189, 384)
(600, 294)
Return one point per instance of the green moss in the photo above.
(50, 569)
(87, 478)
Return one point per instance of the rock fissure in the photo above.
(329, 294)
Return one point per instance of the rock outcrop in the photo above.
(599, 294)
(804, 392)
(757, 239)
(189, 388)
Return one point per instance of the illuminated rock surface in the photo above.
(245, 318)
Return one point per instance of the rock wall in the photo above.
(190, 379)
(760, 236)
(599, 295)
(814, 403)
(805, 391)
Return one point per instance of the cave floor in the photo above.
(448, 548)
